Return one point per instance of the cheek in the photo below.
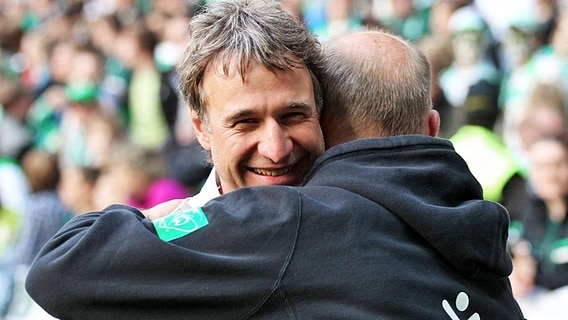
(233, 142)
(309, 136)
(228, 149)
(219, 145)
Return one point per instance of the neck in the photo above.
(218, 183)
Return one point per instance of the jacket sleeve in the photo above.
(112, 264)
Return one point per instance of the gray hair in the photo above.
(387, 91)
(239, 31)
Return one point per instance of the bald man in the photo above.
(390, 224)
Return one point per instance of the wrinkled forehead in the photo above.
(229, 63)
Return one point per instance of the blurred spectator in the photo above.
(542, 231)
(499, 14)
(49, 102)
(84, 112)
(522, 46)
(543, 115)
(171, 42)
(76, 189)
(551, 62)
(101, 132)
(470, 43)
(152, 103)
(142, 175)
(14, 195)
(33, 60)
(544, 221)
(45, 213)
(186, 158)
(9, 224)
(15, 101)
(10, 38)
(86, 66)
(520, 41)
(114, 80)
(59, 54)
(488, 158)
(14, 186)
(437, 51)
(82, 107)
(547, 63)
(108, 190)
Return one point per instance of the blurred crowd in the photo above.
(91, 115)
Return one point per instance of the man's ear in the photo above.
(201, 132)
(433, 123)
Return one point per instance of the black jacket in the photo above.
(390, 228)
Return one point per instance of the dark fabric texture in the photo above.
(390, 228)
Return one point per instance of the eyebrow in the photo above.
(239, 114)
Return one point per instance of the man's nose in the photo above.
(275, 143)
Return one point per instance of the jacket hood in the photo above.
(424, 182)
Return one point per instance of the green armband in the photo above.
(180, 223)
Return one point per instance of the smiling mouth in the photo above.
(273, 173)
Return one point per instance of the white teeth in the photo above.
(273, 173)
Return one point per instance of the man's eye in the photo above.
(294, 116)
(244, 123)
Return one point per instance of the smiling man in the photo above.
(261, 128)
(250, 77)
